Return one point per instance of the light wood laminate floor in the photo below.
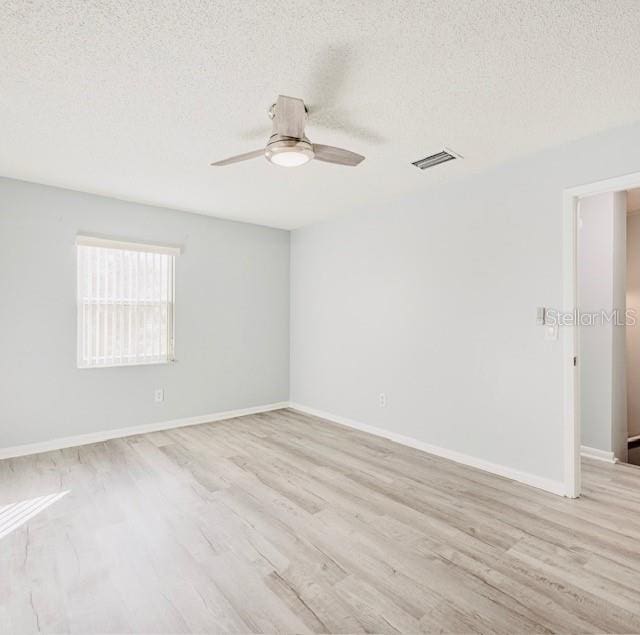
(282, 522)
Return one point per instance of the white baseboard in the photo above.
(105, 435)
(548, 485)
(594, 453)
(555, 487)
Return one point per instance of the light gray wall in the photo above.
(595, 278)
(232, 317)
(601, 287)
(633, 331)
(432, 300)
(618, 336)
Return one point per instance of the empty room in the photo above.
(319, 317)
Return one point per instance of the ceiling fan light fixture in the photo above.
(289, 158)
(289, 153)
(288, 145)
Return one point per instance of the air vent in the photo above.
(436, 159)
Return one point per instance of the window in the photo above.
(125, 303)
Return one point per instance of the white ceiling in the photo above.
(134, 98)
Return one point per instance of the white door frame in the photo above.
(571, 334)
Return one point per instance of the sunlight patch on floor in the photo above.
(16, 514)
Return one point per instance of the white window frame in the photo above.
(96, 241)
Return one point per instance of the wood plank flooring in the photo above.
(282, 522)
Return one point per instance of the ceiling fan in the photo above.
(288, 146)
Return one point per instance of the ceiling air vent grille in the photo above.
(436, 159)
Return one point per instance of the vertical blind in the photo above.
(125, 303)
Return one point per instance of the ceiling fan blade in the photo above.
(330, 154)
(240, 157)
(289, 117)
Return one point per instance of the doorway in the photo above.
(601, 307)
(633, 330)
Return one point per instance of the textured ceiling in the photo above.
(134, 98)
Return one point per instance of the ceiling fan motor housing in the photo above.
(272, 111)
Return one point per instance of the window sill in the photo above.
(97, 367)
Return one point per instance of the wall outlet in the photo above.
(382, 400)
(158, 395)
